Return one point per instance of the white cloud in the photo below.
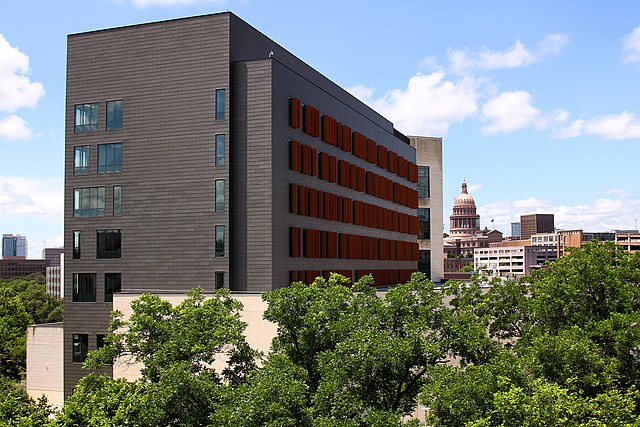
(631, 46)
(36, 246)
(428, 105)
(31, 196)
(464, 60)
(16, 88)
(14, 127)
(472, 188)
(508, 112)
(361, 92)
(617, 210)
(625, 125)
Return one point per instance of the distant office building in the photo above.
(515, 231)
(54, 283)
(53, 255)
(535, 223)
(512, 261)
(628, 239)
(14, 245)
(17, 267)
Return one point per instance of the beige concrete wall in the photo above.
(259, 332)
(45, 363)
(429, 153)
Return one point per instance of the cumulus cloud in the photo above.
(617, 209)
(16, 88)
(31, 196)
(631, 46)
(428, 105)
(464, 60)
(625, 125)
(14, 127)
(509, 111)
(472, 188)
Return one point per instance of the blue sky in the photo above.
(537, 101)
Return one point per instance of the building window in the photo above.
(108, 244)
(86, 117)
(112, 284)
(81, 160)
(220, 104)
(100, 341)
(114, 115)
(117, 200)
(424, 218)
(76, 245)
(219, 240)
(80, 347)
(423, 182)
(220, 195)
(219, 150)
(110, 158)
(84, 287)
(424, 263)
(88, 202)
(219, 279)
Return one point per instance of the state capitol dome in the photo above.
(464, 198)
(465, 220)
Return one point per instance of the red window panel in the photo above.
(354, 246)
(372, 151)
(415, 251)
(414, 199)
(306, 159)
(413, 172)
(359, 145)
(332, 244)
(311, 275)
(327, 206)
(329, 129)
(402, 225)
(413, 225)
(313, 202)
(294, 113)
(323, 166)
(294, 241)
(314, 162)
(353, 177)
(339, 142)
(361, 180)
(293, 276)
(393, 162)
(402, 166)
(343, 246)
(369, 186)
(343, 173)
(347, 210)
(383, 156)
(294, 155)
(395, 220)
(393, 250)
(306, 243)
(333, 169)
(396, 192)
(376, 185)
(321, 212)
(346, 138)
(302, 200)
(293, 198)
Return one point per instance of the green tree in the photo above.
(18, 409)
(557, 348)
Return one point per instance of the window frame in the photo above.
(219, 195)
(424, 191)
(111, 151)
(219, 243)
(219, 147)
(77, 245)
(109, 243)
(220, 104)
(96, 209)
(80, 347)
(219, 280)
(115, 287)
(80, 115)
(85, 157)
(77, 287)
(115, 115)
(421, 220)
(117, 200)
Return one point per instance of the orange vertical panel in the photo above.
(383, 157)
(302, 200)
(313, 202)
(314, 162)
(294, 155)
(333, 166)
(293, 198)
(353, 176)
(321, 204)
(393, 161)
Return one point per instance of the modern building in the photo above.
(515, 231)
(628, 239)
(512, 261)
(14, 245)
(18, 266)
(53, 280)
(201, 153)
(53, 255)
(535, 223)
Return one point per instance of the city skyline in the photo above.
(537, 104)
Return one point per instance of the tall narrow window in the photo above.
(424, 218)
(86, 117)
(76, 245)
(81, 160)
(219, 279)
(423, 182)
(110, 158)
(80, 347)
(424, 263)
(108, 244)
(84, 287)
(219, 240)
(100, 340)
(88, 202)
(219, 104)
(220, 195)
(117, 200)
(219, 150)
(112, 284)
(114, 115)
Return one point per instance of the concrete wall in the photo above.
(45, 365)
